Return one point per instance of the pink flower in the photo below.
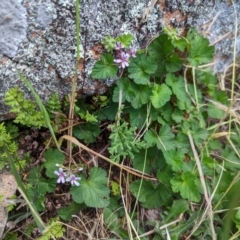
(132, 53)
(119, 46)
(73, 180)
(61, 175)
(122, 59)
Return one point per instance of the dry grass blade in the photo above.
(206, 195)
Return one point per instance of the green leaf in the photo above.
(209, 162)
(149, 195)
(237, 219)
(164, 140)
(144, 163)
(125, 39)
(207, 78)
(215, 112)
(109, 43)
(140, 69)
(221, 96)
(175, 158)
(138, 116)
(160, 48)
(36, 198)
(182, 142)
(136, 94)
(180, 43)
(199, 135)
(141, 96)
(52, 157)
(165, 175)
(27, 113)
(10, 236)
(173, 63)
(108, 112)
(115, 188)
(92, 191)
(177, 86)
(178, 207)
(161, 94)
(123, 142)
(124, 85)
(53, 103)
(186, 185)
(66, 212)
(177, 115)
(104, 68)
(200, 51)
(166, 113)
(111, 220)
(88, 132)
(90, 118)
(54, 228)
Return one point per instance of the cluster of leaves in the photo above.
(153, 93)
(163, 98)
(158, 103)
(93, 191)
(8, 145)
(26, 111)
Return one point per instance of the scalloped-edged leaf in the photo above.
(136, 94)
(175, 159)
(173, 63)
(88, 132)
(92, 191)
(164, 140)
(140, 69)
(104, 68)
(200, 51)
(178, 207)
(145, 159)
(186, 185)
(160, 48)
(109, 43)
(52, 157)
(161, 94)
(177, 85)
(66, 212)
(125, 39)
(149, 195)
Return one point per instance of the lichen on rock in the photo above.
(44, 48)
(13, 26)
(47, 53)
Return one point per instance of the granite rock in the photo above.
(38, 37)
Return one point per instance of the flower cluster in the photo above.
(122, 56)
(62, 177)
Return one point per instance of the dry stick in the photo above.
(128, 219)
(208, 200)
(74, 80)
(76, 229)
(220, 38)
(128, 169)
(228, 110)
